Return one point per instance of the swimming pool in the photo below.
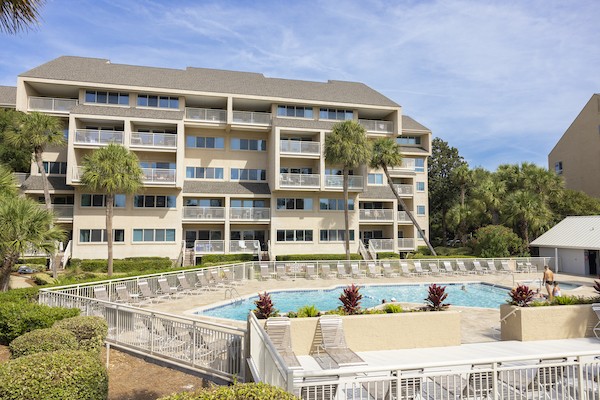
(475, 295)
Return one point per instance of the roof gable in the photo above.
(582, 232)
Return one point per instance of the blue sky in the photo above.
(499, 80)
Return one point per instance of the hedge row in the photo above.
(43, 341)
(316, 257)
(123, 265)
(220, 258)
(238, 391)
(90, 332)
(33, 260)
(387, 255)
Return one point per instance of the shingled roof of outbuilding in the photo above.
(8, 96)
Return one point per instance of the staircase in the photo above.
(189, 258)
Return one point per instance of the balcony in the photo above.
(377, 126)
(244, 246)
(61, 211)
(376, 215)
(300, 180)
(406, 244)
(251, 118)
(403, 217)
(196, 213)
(355, 182)
(97, 137)
(52, 104)
(379, 245)
(154, 140)
(408, 166)
(249, 214)
(209, 246)
(206, 115)
(404, 190)
(299, 147)
(158, 175)
(77, 173)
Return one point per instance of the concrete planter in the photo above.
(385, 331)
(547, 323)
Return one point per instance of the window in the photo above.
(420, 210)
(145, 100)
(294, 235)
(157, 164)
(409, 140)
(286, 170)
(335, 235)
(294, 204)
(154, 235)
(239, 174)
(57, 199)
(55, 167)
(419, 165)
(336, 171)
(99, 200)
(154, 201)
(335, 204)
(248, 203)
(204, 173)
(201, 142)
(420, 186)
(558, 168)
(99, 235)
(203, 202)
(293, 111)
(334, 114)
(94, 96)
(375, 179)
(248, 144)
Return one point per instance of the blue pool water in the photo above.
(475, 295)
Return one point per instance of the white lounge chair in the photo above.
(204, 281)
(448, 267)
(463, 270)
(333, 342)
(147, 295)
(278, 329)
(388, 272)
(405, 269)
(100, 293)
(491, 267)
(356, 272)
(478, 268)
(596, 309)
(310, 272)
(372, 271)
(341, 271)
(326, 272)
(123, 295)
(435, 270)
(229, 278)
(166, 289)
(419, 269)
(264, 272)
(186, 288)
(217, 279)
(505, 267)
(280, 272)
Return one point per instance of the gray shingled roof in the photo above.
(413, 149)
(302, 123)
(34, 182)
(210, 187)
(127, 112)
(377, 192)
(96, 70)
(411, 124)
(8, 96)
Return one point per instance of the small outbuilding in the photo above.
(575, 244)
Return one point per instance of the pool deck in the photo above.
(477, 324)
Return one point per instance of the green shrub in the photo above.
(137, 264)
(42, 279)
(393, 308)
(34, 260)
(387, 255)
(58, 375)
(497, 241)
(228, 258)
(89, 331)
(238, 391)
(317, 257)
(19, 317)
(292, 314)
(14, 295)
(419, 255)
(43, 341)
(308, 312)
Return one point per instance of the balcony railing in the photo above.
(299, 180)
(403, 216)
(403, 189)
(376, 215)
(378, 126)
(244, 246)
(337, 182)
(158, 175)
(94, 136)
(250, 213)
(51, 104)
(381, 244)
(209, 246)
(203, 213)
(63, 211)
(406, 244)
(206, 115)
(145, 139)
(252, 118)
(299, 147)
(77, 173)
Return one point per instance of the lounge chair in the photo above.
(548, 377)
(204, 281)
(521, 268)
(310, 272)
(217, 279)
(504, 267)
(356, 272)
(100, 293)
(185, 286)
(463, 270)
(405, 270)
(326, 272)
(147, 295)
(596, 309)
(264, 272)
(123, 295)
(448, 267)
(388, 272)
(479, 384)
(478, 268)
(419, 269)
(491, 267)
(280, 272)
(278, 329)
(435, 270)
(373, 272)
(530, 267)
(229, 278)
(333, 342)
(341, 271)
(166, 289)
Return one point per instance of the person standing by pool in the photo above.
(548, 280)
(556, 290)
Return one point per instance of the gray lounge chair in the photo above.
(373, 272)
(341, 271)
(186, 287)
(125, 297)
(478, 268)
(147, 295)
(504, 267)
(100, 293)
(405, 269)
(278, 329)
(596, 309)
(326, 272)
(264, 272)
(419, 269)
(333, 342)
(310, 272)
(166, 289)
(356, 272)
(448, 267)
(463, 270)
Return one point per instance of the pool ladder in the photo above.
(233, 295)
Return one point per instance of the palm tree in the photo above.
(18, 15)
(111, 170)
(528, 213)
(24, 225)
(8, 185)
(347, 145)
(386, 153)
(37, 130)
(462, 177)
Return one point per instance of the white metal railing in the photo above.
(362, 250)
(250, 213)
(98, 136)
(62, 210)
(158, 175)
(77, 173)
(253, 118)
(376, 215)
(406, 243)
(404, 189)
(337, 182)
(148, 139)
(300, 180)
(206, 114)
(378, 126)
(408, 165)
(379, 245)
(209, 247)
(244, 246)
(299, 147)
(203, 213)
(67, 253)
(403, 216)
(51, 104)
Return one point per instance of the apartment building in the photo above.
(232, 161)
(575, 156)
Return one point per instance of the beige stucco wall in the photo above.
(547, 323)
(384, 331)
